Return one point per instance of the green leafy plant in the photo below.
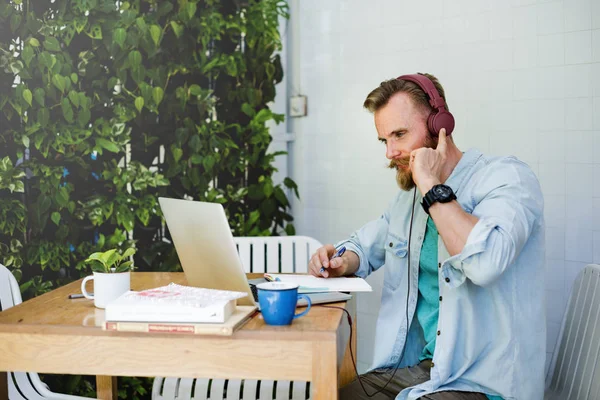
(106, 105)
(111, 261)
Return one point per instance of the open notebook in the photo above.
(313, 284)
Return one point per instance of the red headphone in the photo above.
(439, 117)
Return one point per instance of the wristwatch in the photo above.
(438, 193)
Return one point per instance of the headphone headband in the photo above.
(435, 100)
(440, 117)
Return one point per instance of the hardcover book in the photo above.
(174, 303)
(235, 321)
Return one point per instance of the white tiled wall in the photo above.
(522, 77)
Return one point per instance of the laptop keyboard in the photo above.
(254, 291)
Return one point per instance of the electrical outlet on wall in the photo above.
(298, 106)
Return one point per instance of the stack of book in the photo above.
(178, 309)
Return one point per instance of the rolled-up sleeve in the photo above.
(509, 204)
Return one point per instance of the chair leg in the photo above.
(3, 386)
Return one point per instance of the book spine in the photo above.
(190, 329)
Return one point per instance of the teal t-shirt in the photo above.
(428, 306)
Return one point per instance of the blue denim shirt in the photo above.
(492, 310)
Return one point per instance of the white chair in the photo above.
(24, 385)
(258, 254)
(575, 369)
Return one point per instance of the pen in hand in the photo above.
(337, 254)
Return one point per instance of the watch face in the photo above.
(442, 190)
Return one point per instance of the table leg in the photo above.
(3, 386)
(106, 387)
(347, 371)
(324, 382)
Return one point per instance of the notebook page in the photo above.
(312, 284)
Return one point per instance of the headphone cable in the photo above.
(412, 213)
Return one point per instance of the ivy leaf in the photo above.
(25, 141)
(55, 217)
(33, 42)
(28, 96)
(120, 36)
(146, 91)
(157, 95)
(108, 145)
(195, 90)
(59, 82)
(74, 77)
(290, 230)
(47, 59)
(292, 185)
(139, 103)
(141, 24)
(135, 59)
(139, 74)
(67, 110)
(268, 189)
(84, 116)
(155, 33)
(52, 44)
(80, 23)
(248, 110)
(27, 55)
(43, 116)
(15, 21)
(95, 32)
(74, 97)
(16, 67)
(208, 162)
(177, 28)
(191, 9)
(62, 197)
(177, 153)
(40, 96)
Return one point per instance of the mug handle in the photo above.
(305, 297)
(83, 291)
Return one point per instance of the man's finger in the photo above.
(442, 141)
(411, 159)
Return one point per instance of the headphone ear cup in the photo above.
(439, 120)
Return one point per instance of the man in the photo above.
(462, 312)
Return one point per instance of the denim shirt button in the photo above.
(439, 265)
(447, 279)
(391, 244)
(440, 298)
(439, 333)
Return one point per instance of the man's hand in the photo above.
(321, 258)
(427, 165)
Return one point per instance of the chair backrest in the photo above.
(276, 253)
(10, 294)
(575, 372)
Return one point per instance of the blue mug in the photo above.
(278, 302)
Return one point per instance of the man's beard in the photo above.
(404, 176)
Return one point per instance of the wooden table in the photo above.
(52, 334)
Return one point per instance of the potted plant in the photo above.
(111, 261)
(111, 275)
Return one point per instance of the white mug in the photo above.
(107, 287)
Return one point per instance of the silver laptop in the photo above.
(207, 251)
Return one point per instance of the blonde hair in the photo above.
(380, 96)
